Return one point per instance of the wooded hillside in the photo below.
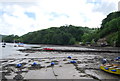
(70, 35)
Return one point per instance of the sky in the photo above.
(22, 16)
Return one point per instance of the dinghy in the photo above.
(111, 68)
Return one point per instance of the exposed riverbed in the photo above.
(86, 66)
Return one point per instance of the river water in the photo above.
(88, 63)
(9, 48)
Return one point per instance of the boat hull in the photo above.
(110, 69)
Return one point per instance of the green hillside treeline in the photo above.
(70, 35)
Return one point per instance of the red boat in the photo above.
(48, 49)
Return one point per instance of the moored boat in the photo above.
(15, 45)
(114, 68)
(111, 66)
(48, 49)
(20, 44)
(3, 45)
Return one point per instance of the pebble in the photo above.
(64, 59)
(18, 77)
(27, 55)
(25, 70)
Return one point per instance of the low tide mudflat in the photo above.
(86, 64)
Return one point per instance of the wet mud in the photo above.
(57, 65)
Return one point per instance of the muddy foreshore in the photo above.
(84, 68)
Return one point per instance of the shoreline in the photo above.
(86, 66)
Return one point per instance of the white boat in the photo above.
(20, 44)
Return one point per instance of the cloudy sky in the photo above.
(20, 17)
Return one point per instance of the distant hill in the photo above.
(2, 35)
(69, 35)
(110, 29)
(64, 35)
(0, 38)
(109, 32)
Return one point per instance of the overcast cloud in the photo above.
(20, 17)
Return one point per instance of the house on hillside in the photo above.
(102, 42)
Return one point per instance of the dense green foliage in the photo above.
(69, 35)
(110, 29)
(110, 17)
(64, 35)
(11, 38)
(90, 36)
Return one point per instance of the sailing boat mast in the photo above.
(15, 44)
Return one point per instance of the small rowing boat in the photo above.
(111, 68)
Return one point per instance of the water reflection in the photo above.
(7, 50)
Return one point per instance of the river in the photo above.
(9, 48)
(87, 66)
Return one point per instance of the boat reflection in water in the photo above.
(3, 44)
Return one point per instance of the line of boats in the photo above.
(15, 44)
